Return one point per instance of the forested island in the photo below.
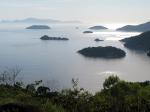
(148, 54)
(45, 37)
(98, 40)
(103, 52)
(116, 96)
(140, 42)
(98, 28)
(87, 32)
(38, 27)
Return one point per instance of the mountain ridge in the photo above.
(138, 28)
(37, 20)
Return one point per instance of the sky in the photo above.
(88, 11)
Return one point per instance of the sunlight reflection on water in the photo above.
(113, 35)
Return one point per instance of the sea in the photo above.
(57, 62)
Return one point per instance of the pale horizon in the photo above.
(112, 26)
(86, 11)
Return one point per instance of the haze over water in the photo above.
(59, 60)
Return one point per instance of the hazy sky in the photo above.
(91, 11)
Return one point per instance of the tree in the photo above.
(13, 74)
(42, 91)
(32, 87)
(110, 81)
(4, 77)
(9, 76)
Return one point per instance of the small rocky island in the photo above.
(87, 32)
(148, 54)
(45, 37)
(140, 42)
(98, 40)
(98, 28)
(108, 52)
(38, 27)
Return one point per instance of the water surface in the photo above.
(59, 60)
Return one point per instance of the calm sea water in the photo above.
(57, 62)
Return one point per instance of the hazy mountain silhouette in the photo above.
(36, 20)
(138, 28)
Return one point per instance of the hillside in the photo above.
(140, 42)
(136, 28)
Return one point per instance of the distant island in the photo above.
(148, 54)
(87, 32)
(140, 42)
(38, 27)
(98, 28)
(136, 28)
(37, 21)
(45, 37)
(97, 40)
(103, 52)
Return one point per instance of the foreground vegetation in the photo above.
(116, 96)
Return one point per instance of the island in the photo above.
(148, 54)
(32, 20)
(140, 42)
(87, 32)
(97, 40)
(45, 37)
(103, 52)
(38, 27)
(98, 28)
(136, 28)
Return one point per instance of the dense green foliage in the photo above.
(116, 96)
(18, 95)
